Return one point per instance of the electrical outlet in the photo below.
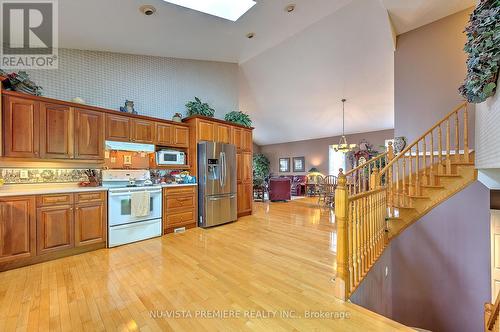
(23, 174)
(113, 159)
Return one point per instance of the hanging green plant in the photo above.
(483, 47)
(196, 107)
(238, 118)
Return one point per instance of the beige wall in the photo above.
(315, 151)
(430, 66)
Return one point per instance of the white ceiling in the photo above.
(407, 15)
(293, 90)
(295, 70)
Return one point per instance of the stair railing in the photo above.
(366, 195)
(491, 316)
(419, 163)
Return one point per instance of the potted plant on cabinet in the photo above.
(197, 107)
(238, 117)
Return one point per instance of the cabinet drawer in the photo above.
(97, 196)
(55, 199)
(181, 190)
(178, 201)
(180, 218)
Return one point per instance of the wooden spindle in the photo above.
(359, 240)
(448, 147)
(410, 175)
(398, 193)
(404, 182)
(417, 170)
(466, 135)
(424, 160)
(457, 142)
(344, 239)
(440, 150)
(431, 172)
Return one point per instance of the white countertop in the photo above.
(59, 188)
(179, 184)
(44, 188)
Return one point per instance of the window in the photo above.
(336, 160)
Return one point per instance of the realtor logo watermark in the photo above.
(29, 34)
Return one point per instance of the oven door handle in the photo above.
(127, 193)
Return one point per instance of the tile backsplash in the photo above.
(42, 175)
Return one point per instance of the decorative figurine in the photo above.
(177, 117)
(128, 108)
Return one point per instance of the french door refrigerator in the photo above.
(216, 184)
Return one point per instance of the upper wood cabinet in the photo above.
(237, 134)
(118, 128)
(143, 131)
(17, 228)
(223, 133)
(181, 137)
(89, 134)
(56, 131)
(21, 127)
(247, 141)
(164, 134)
(205, 131)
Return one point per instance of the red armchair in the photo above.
(280, 189)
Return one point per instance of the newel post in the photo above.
(342, 286)
(375, 179)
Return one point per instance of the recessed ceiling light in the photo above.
(290, 8)
(250, 35)
(147, 10)
(229, 9)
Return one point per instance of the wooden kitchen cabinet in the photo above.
(181, 137)
(247, 140)
(143, 131)
(90, 223)
(17, 228)
(55, 228)
(164, 134)
(56, 131)
(236, 139)
(223, 133)
(180, 208)
(118, 128)
(21, 127)
(89, 134)
(205, 131)
(245, 198)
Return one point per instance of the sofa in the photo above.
(280, 189)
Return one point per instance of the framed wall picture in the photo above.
(284, 165)
(299, 164)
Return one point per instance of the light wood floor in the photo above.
(279, 260)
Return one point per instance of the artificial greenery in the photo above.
(483, 47)
(238, 118)
(261, 169)
(196, 107)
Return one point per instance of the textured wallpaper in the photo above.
(158, 86)
(488, 133)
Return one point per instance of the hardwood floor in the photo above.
(279, 262)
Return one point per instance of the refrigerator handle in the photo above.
(221, 169)
(225, 169)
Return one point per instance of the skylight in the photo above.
(229, 9)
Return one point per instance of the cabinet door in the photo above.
(21, 127)
(245, 198)
(90, 224)
(56, 131)
(164, 134)
(17, 228)
(246, 140)
(237, 137)
(223, 133)
(144, 131)
(89, 134)
(246, 167)
(118, 128)
(55, 229)
(181, 137)
(239, 167)
(206, 131)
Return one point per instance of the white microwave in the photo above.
(170, 157)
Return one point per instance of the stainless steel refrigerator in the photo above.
(216, 184)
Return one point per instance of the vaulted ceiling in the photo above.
(295, 70)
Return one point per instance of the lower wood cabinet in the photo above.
(245, 199)
(180, 208)
(17, 228)
(55, 228)
(39, 228)
(90, 224)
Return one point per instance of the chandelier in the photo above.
(343, 146)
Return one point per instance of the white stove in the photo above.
(123, 226)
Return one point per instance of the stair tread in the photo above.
(430, 186)
(449, 175)
(419, 197)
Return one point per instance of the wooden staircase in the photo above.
(378, 200)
